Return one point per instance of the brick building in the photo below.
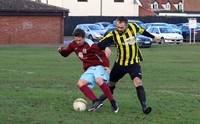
(170, 8)
(192, 6)
(152, 7)
(28, 22)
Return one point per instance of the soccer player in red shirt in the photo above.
(95, 65)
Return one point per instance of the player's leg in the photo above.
(136, 75)
(141, 95)
(101, 78)
(82, 85)
(107, 93)
(104, 87)
(116, 74)
(86, 82)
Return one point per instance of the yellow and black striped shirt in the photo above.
(128, 49)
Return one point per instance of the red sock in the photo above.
(104, 87)
(88, 92)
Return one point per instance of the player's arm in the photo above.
(142, 31)
(106, 41)
(65, 51)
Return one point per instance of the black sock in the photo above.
(141, 96)
(103, 97)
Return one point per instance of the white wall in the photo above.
(92, 7)
(127, 8)
(56, 2)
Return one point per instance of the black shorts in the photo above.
(119, 71)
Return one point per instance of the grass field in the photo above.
(38, 86)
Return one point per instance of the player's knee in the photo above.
(81, 83)
(99, 81)
(137, 81)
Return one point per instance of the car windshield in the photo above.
(159, 24)
(94, 27)
(166, 30)
(173, 26)
(105, 24)
(111, 26)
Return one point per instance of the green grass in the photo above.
(38, 86)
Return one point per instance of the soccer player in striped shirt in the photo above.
(128, 57)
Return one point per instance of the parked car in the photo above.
(93, 31)
(148, 25)
(184, 27)
(143, 41)
(103, 25)
(175, 28)
(166, 33)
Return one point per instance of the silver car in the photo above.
(93, 31)
(103, 25)
(167, 34)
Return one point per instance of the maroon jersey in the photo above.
(89, 53)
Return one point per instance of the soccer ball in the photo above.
(80, 104)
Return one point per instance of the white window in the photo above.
(180, 6)
(168, 6)
(154, 6)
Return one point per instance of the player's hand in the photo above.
(107, 69)
(59, 48)
(108, 52)
(157, 39)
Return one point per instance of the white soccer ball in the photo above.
(80, 104)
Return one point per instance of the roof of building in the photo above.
(165, 1)
(147, 4)
(146, 12)
(192, 5)
(28, 7)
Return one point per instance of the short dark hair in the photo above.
(122, 19)
(79, 33)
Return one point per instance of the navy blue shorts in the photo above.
(119, 71)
